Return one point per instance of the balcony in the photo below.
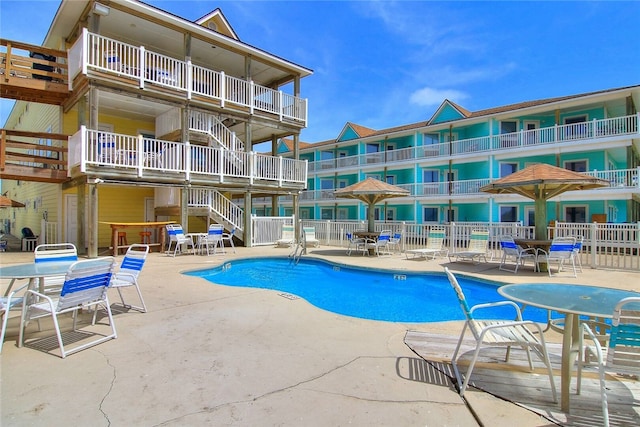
(628, 179)
(135, 158)
(135, 65)
(577, 133)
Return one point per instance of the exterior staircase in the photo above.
(216, 206)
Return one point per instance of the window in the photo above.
(576, 214)
(326, 184)
(372, 148)
(326, 213)
(530, 216)
(576, 166)
(342, 183)
(430, 142)
(575, 127)
(509, 137)
(431, 178)
(508, 213)
(391, 179)
(342, 214)
(430, 214)
(451, 215)
(391, 214)
(377, 214)
(507, 169)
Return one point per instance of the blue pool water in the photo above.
(365, 293)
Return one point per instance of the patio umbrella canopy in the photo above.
(6, 202)
(371, 191)
(540, 183)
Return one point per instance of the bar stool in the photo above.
(145, 237)
(122, 240)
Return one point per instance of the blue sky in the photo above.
(382, 64)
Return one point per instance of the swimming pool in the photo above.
(385, 295)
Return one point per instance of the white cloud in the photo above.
(429, 96)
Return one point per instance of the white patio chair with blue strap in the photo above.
(85, 286)
(56, 252)
(214, 238)
(228, 237)
(395, 242)
(510, 250)
(11, 302)
(621, 356)
(577, 248)
(357, 243)
(492, 333)
(127, 275)
(177, 237)
(380, 245)
(560, 251)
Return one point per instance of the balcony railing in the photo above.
(572, 133)
(90, 147)
(619, 178)
(93, 51)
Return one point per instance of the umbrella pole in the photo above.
(371, 217)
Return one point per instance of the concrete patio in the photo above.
(217, 355)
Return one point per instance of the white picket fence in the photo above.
(615, 246)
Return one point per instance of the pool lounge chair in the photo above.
(435, 245)
(288, 237)
(477, 248)
(310, 237)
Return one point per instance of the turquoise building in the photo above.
(444, 161)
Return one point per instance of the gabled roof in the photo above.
(448, 111)
(354, 131)
(285, 145)
(216, 21)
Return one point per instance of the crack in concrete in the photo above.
(113, 380)
(307, 381)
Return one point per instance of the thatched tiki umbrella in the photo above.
(371, 191)
(540, 183)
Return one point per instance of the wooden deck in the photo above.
(515, 383)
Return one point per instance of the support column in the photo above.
(92, 220)
(80, 219)
(248, 196)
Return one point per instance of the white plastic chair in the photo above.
(177, 236)
(357, 243)
(622, 356)
(214, 238)
(380, 245)
(519, 255)
(561, 250)
(310, 237)
(395, 241)
(11, 302)
(577, 248)
(128, 273)
(56, 252)
(505, 333)
(228, 237)
(85, 286)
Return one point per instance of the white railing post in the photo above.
(223, 88)
(280, 105)
(140, 154)
(252, 95)
(593, 245)
(187, 161)
(143, 66)
(252, 166)
(85, 53)
(83, 152)
(280, 170)
(189, 79)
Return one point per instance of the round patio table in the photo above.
(572, 301)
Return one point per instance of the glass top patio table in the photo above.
(572, 300)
